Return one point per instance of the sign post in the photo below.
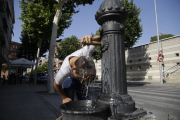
(160, 65)
(160, 59)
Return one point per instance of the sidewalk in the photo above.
(22, 102)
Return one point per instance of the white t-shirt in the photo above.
(66, 70)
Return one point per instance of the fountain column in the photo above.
(111, 16)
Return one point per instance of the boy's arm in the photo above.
(88, 39)
(61, 93)
(96, 38)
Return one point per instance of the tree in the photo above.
(44, 66)
(162, 36)
(71, 5)
(133, 29)
(25, 50)
(68, 46)
(37, 17)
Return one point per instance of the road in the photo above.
(158, 99)
(154, 98)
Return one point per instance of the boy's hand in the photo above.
(87, 39)
(66, 100)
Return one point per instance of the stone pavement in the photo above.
(27, 101)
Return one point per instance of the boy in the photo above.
(71, 71)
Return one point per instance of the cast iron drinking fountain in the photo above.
(113, 103)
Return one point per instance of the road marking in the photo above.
(161, 90)
(136, 91)
(150, 97)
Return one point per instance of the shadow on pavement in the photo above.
(137, 84)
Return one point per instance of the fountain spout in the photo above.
(93, 43)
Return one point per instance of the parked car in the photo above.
(41, 77)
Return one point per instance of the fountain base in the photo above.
(85, 110)
(131, 116)
(125, 103)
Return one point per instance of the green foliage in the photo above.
(4, 68)
(97, 53)
(26, 50)
(133, 29)
(154, 38)
(37, 17)
(44, 67)
(29, 73)
(68, 46)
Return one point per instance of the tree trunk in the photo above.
(38, 51)
(50, 85)
(32, 70)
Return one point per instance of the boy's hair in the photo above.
(86, 64)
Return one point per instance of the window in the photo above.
(139, 59)
(13, 53)
(139, 67)
(177, 54)
(130, 67)
(130, 61)
(16, 46)
(149, 58)
(13, 46)
(150, 66)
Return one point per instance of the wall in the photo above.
(142, 63)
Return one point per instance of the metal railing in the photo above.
(171, 70)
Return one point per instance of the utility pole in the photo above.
(160, 64)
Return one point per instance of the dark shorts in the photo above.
(71, 86)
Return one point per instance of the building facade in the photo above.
(142, 61)
(14, 46)
(7, 19)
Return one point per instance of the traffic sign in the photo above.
(160, 58)
(160, 53)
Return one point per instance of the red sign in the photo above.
(160, 53)
(160, 58)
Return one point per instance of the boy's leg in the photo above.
(68, 88)
(80, 93)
